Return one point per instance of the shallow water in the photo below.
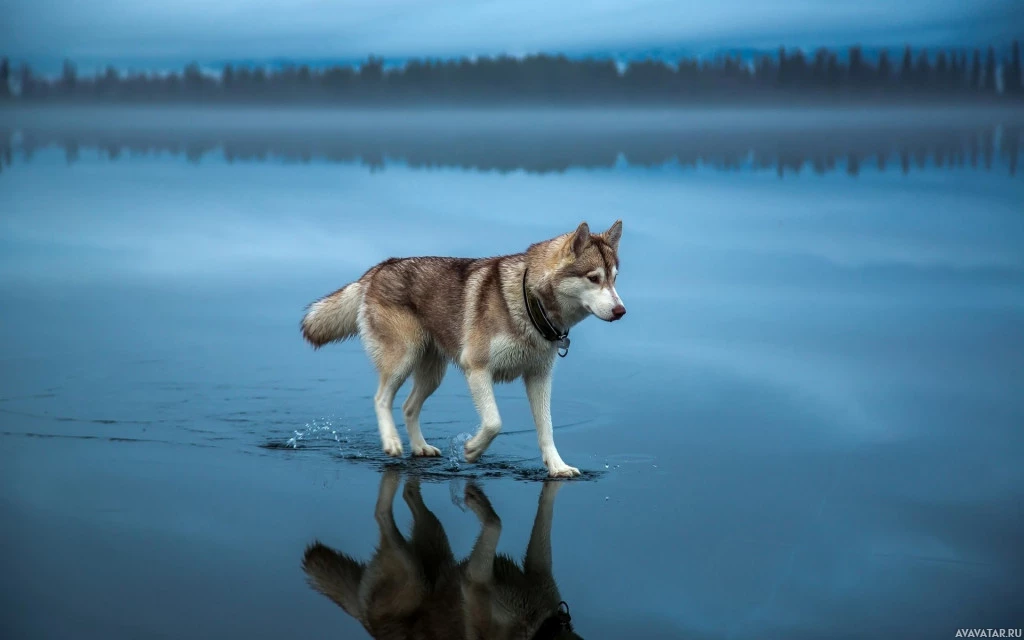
(808, 425)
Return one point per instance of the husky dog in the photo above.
(414, 588)
(496, 318)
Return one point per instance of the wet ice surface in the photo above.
(807, 426)
(326, 437)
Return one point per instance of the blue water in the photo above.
(807, 426)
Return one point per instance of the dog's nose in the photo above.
(618, 311)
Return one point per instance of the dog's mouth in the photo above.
(612, 318)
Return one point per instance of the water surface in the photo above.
(808, 425)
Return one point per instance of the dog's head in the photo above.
(588, 265)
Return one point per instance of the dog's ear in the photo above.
(614, 234)
(579, 239)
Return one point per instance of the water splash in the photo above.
(457, 491)
(317, 431)
(455, 450)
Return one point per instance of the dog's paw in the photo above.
(473, 450)
(425, 450)
(392, 446)
(563, 471)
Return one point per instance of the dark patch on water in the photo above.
(364, 448)
(27, 414)
(37, 396)
(483, 470)
(275, 445)
(49, 435)
(70, 436)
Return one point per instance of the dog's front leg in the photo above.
(481, 387)
(538, 390)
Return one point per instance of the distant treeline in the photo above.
(944, 75)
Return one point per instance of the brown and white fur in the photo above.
(415, 588)
(415, 315)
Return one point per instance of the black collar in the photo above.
(534, 308)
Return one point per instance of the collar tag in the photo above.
(563, 346)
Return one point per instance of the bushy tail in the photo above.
(335, 575)
(333, 317)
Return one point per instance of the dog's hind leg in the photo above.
(395, 341)
(384, 400)
(426, 377)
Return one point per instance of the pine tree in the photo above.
(5, 79)
(227, 77)
(856, 66)
(884, 69)
(783, 77)
(1011, 73)
(923, 70)
(27, 82)
(975, 81)
(962, 78)
(907, 69)
(941, 71)
(990, 71)
(69, 78)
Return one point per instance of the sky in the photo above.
(150, 31)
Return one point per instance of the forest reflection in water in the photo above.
(786, 143)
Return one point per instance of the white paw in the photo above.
(563, 471)
(475, 446)
(392, 446)
(425, 450)
(473, 450)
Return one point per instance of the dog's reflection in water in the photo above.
(415, 588)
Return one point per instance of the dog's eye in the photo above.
(594, 279)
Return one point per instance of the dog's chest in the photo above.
(510, 357)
